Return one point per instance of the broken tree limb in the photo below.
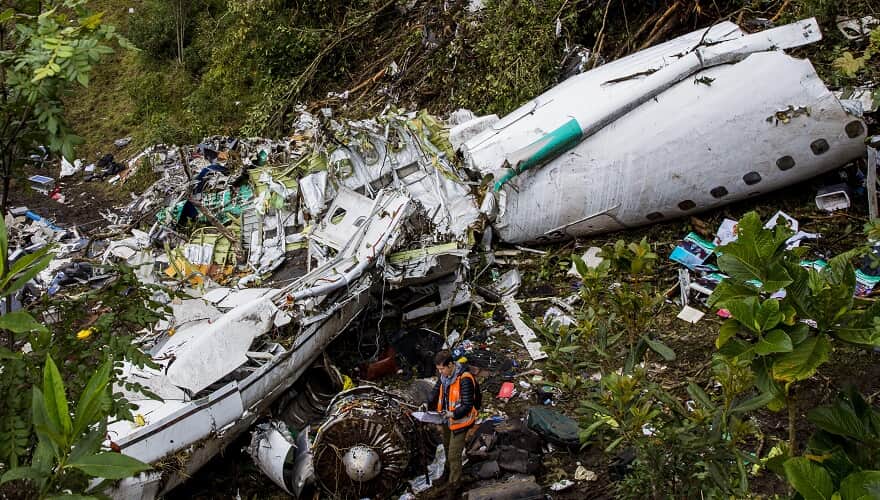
(310, 70)
(597, 46)
(780, 11)
(223, 230)
(236, 244)
(662, 26)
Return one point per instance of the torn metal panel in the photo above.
(313, 188)
(348, 212)
(427, 263)
(187, 311)
(264, 382)
(372, 234)
(272, 449)
(399, 152)
(189, 424)
(451, 292)
(205, 352)
(286, 462)
(530, 340)
(507, 287)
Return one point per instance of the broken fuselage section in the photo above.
(706, 119)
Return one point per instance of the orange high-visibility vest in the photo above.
(455, 400)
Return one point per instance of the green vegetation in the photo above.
(843, 455)
(703, 438)
(68, 452)
(45, 50)
(40, 441)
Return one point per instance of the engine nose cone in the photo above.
(362, 463)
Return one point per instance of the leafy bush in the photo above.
(69, 443)
(842, 459)
(678, 451)
(785, 339)
(107, 319)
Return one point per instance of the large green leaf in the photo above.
(27, 274)
(56, 400)
(25, 262)
(765, 383)
(90, 443)
(824, 296)
(864, 485)
(809, 479)
(802, 362)
(759, 401)
(48, 431)
(860, 326)
(88, 409)
(775, 341)
(729, 290)
(109, 465)
(737, 348)
(756, 254)
(21, 473)
(660, 348)
(745, 311)
(700, 396)
(839, 419)
(580, 265)
(728, 330)
(20, 322)
(768, 315)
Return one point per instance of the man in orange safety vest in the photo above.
(453, 397)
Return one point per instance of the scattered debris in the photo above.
(831, 198)
(856, 29)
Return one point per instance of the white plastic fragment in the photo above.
(591, 258)
(561, 485)
(690, 314)
(435, 470)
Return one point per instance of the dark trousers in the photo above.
(453, 444)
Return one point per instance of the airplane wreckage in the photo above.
(709, 118)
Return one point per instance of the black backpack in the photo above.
(478, 394)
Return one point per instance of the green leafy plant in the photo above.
(15, 426)
(842, 459)
(850, 65)
(680, 451)
(106, 317)
(786, 337)
(633, 302)
(68, 450)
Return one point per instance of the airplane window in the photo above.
(752, 178)
(819, 146)
(785, 163)
(718, 192)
